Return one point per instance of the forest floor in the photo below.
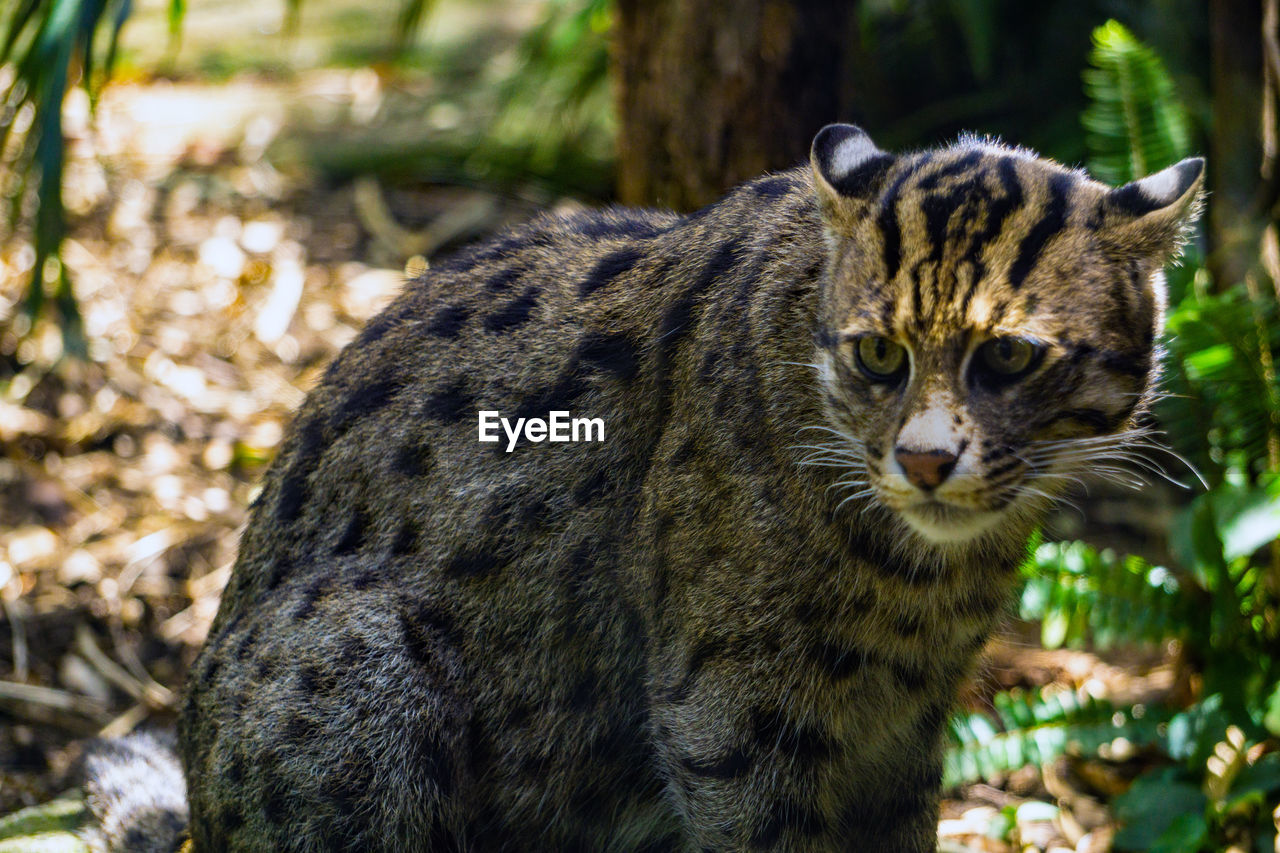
(216, 281)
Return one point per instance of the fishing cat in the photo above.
(834, 406)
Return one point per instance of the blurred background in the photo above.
(205, 201)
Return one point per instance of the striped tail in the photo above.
(137, 795)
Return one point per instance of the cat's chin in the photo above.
(946, 524)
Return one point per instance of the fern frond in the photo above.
(1221, 401)
(1035, 727)
(1134, 124)
(1080, 593)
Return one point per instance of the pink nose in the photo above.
(925, 469)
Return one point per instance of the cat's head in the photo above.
(989, 325)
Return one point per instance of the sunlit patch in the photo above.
(982, 310)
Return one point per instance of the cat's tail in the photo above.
(136, 794)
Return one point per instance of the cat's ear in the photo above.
(846, 164)
(1149, 216)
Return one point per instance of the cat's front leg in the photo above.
(747, 773)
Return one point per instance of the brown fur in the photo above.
(681, 637)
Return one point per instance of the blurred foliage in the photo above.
(545, 126)
(407, 24)
(559, 95)
(45, 39)
(1221, 404)
(47, 828)
(1135, 125)
(550, 124)
(1033, 727)
(1221, 599)
(926, 70)
(1079, 594)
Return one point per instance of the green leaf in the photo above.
(1053, 630)
(124, 8)
(1134, 124)
(22, 16)
(177, 12)
(1206, 545)
(1271, 717)
(1220, 413)
(63, 814)
(1038, 728)
(1150, 808)
(1082, 594)
(1262, 776)
(1247, 519)
(42, 38)
(1210, 361)
(1186, 834)
(408, 22)
(1002, 825)
(978, 21)
(1192, 734)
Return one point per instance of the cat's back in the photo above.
(515, 389)
(506, 393)
(406, 587)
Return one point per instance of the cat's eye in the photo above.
(880, 358)
(1007, 358)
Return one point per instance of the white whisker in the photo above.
(855, 496)
(855, 442)
(834, 448)
(1093, 453)
(831, 461)
(846, 484)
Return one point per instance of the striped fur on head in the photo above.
(944, 252)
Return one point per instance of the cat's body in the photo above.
(678, 638)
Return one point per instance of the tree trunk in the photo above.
(711, 93)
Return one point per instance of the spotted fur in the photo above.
(682, 638)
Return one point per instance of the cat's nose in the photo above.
(925, 469)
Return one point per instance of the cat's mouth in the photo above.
(947, 523)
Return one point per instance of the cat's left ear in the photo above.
(1149, 217)
(847, 165)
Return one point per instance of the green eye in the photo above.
(1007, 358)
(880, 358)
